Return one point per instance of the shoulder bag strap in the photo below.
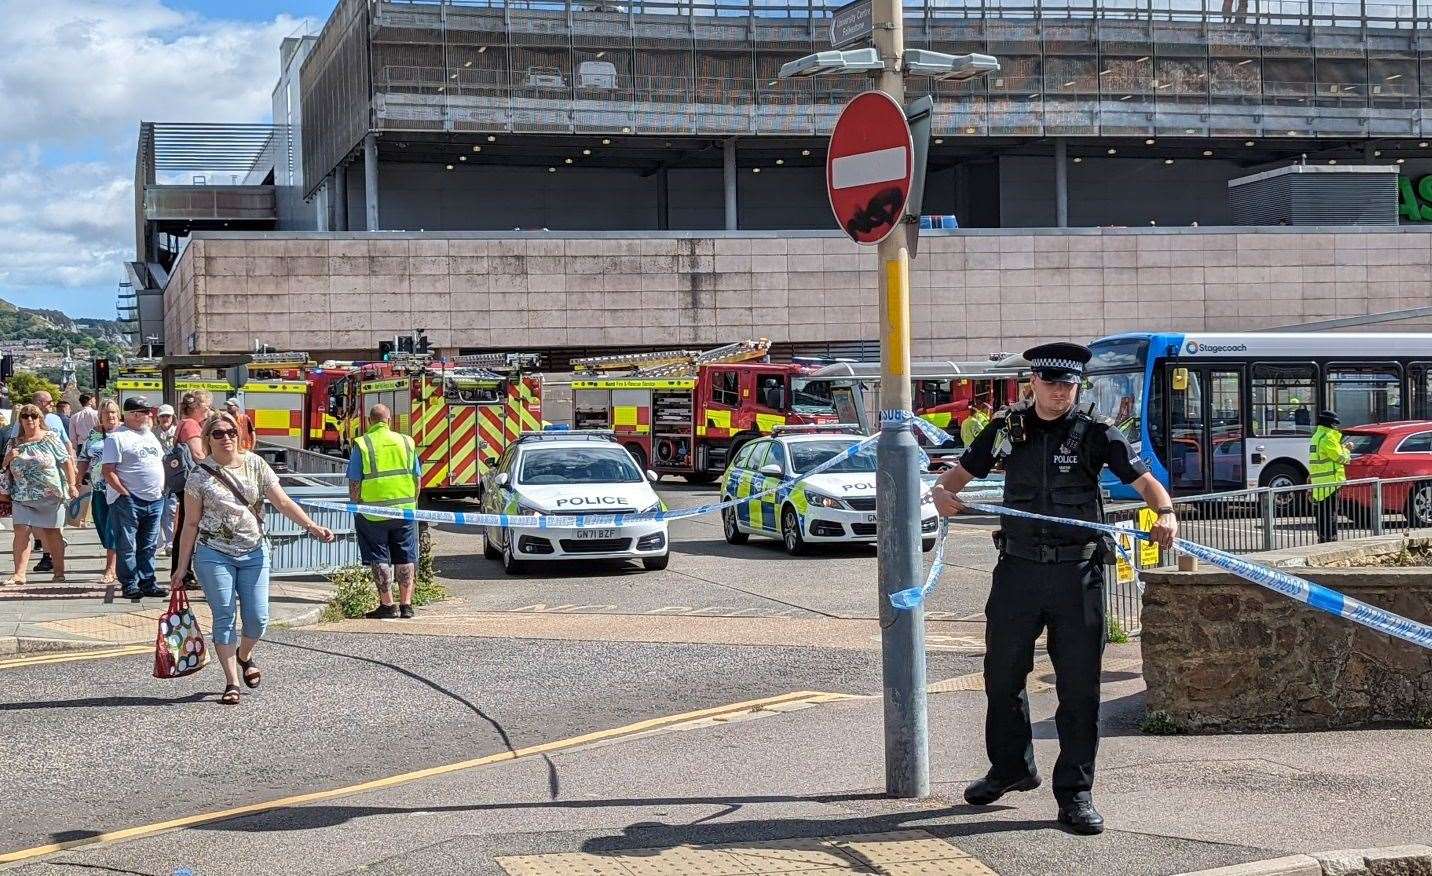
(224, 478)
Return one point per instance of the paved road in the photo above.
(709, 577)
(95, 746)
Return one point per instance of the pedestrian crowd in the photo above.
(193, 490)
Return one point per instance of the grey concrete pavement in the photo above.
(96, 746)
(83, 613)
(1174, 804)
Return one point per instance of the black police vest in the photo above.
(1044, 475)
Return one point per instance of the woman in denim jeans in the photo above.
(90, 451)
(223, 539)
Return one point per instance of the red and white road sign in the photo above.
(869, 165)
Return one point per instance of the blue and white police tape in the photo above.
(1308, 592)
(586, 521)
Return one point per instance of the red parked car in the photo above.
(1393, 450)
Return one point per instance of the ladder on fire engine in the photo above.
(674, 363)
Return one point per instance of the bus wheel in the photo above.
(1282, 474)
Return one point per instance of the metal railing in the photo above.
(292, 460)
(292, 552)
(1275, 519)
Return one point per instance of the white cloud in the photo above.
(76, 78)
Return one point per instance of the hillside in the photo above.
(101, 336)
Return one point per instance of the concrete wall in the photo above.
(973, 292)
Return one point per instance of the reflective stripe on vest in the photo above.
(388, 477)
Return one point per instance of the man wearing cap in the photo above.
(247, 438)
(1326, 458)
(133, 463)
(1048, 575)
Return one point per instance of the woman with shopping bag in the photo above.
(90, 450)
(222, 537)
(38, 478)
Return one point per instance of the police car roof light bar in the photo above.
(817, 429)
(577, 434)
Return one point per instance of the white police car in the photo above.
(837, 505)
(568, 473)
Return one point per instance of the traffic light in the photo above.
(7, 367)
(405, 343)
(423, 345)
(385, 350)
(101, 373)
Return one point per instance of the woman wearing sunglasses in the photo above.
(222, 537)
(38, 478)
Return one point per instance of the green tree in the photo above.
(24, 385)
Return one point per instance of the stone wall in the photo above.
(973, 292)
(1223, 655)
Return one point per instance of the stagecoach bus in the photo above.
(1211, 412)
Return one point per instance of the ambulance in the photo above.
(837, 505)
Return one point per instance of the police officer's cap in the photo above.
(1329, 418)
(1061, 362)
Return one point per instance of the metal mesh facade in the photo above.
(1207, 68)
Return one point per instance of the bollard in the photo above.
(1187, 563)
(1377, 524)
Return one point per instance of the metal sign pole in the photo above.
(902, 638)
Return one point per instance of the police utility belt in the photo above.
(1048, 553)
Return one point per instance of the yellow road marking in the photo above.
(131, 833)
(71, 656)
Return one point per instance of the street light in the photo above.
(923, 62)
(833, 62)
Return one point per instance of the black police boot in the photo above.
(987, 790)
(1080, 816)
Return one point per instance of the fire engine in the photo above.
(687, 412)
(142, 376)
(461, 412)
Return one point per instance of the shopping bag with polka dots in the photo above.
(179, 648)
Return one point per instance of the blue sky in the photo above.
(67, 131)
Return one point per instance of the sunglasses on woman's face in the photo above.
(29, 416)
(221, 434)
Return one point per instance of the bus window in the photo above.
(1419, 405)
(1284, 399)
(1364, 393)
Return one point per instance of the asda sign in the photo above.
(1414, 199)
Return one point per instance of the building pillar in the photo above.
(728, 164)
(321, 202)
(1367, 153)
(370, 180)
(340, 197)
(663, 201)
(1061, 183)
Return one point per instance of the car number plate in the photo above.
(870, 518)
(583, 534)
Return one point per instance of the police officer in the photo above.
(1048, 575)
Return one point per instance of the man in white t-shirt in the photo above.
(133, 463)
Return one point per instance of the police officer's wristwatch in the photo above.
(1165, 510)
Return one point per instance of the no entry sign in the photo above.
(868, 167)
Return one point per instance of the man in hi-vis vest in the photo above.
(384, 470)
(1326, 458)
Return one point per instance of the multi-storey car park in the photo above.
(570, 176)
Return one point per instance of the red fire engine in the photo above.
(686, 412)
(461, 413)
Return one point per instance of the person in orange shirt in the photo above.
(247, 437)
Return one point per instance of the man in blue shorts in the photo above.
(384, 469)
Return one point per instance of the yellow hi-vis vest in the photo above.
(388, 462)
(1326, 458)
(973, 425)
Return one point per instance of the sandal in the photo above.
(13, 581)
(108, 579)
(231, 695)
(252, 674)
(58, 579)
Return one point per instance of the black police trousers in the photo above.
(1068, 599)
